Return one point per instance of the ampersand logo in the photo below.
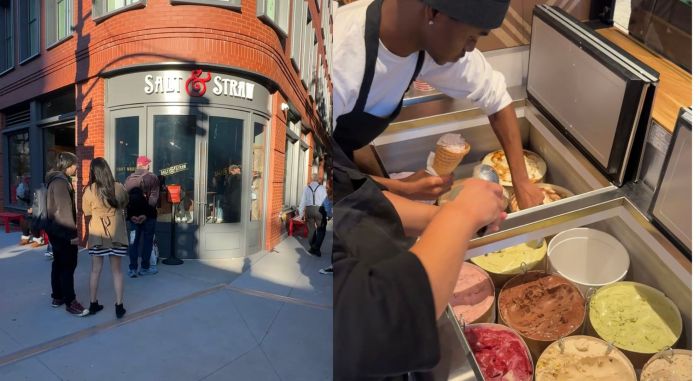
(196, 86)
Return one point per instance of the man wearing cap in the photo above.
(388, 289)
(142, 230)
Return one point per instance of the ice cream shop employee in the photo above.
(387, 290)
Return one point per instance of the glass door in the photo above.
(174, 133)
(223, 173)
(254, 231)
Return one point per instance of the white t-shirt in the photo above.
(471, 77)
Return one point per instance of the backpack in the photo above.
(40, 212)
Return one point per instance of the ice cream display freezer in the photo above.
(586, 114)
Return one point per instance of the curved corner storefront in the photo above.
(207, 132)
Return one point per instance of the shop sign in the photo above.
(196, 85)
(173, 169)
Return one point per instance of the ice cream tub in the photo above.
(542, 308)
(474, 297)
(638, 319)
(588, 258)
(583, 358)
(500, 352)
(673, 364)
(503, 265)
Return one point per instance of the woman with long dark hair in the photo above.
(104, 201)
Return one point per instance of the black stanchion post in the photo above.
(172, 259)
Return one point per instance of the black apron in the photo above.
(377, 282)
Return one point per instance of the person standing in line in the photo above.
(327, 213)
(104, 201)
(141, 244)
(309, 210)
(63, 232)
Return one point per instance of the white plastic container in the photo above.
(587, 257)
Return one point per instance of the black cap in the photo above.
(484, 14)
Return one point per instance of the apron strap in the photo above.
(373, 17)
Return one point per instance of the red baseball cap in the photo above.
(143, 160)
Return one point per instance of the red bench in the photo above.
(294, 224)
(7, 217)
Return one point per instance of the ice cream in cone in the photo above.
(449, 152)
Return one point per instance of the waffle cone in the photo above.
(446, 161)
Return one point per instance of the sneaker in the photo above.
(56, 302)
(95, 307)
(327, 271)
(24, 240)
(119, 310)
(132, 273)
(77, 309)
(48, 254)
(38, 240)
(148, 271)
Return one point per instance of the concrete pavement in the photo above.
(264, 317)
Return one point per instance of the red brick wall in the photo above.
(161, 32)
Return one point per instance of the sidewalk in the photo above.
(264, 317)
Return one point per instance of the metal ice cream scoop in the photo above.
(485, 172)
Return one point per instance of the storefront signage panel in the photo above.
(187, 86)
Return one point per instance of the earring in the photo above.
(430, 22)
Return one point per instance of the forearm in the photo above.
(505, 126)
(441, 251)
(415, 216)
(395, 186)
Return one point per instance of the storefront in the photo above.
(205, 131)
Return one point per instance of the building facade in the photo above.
(229, 98)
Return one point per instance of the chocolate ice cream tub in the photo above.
(500, 352)
(474, 297)
(638, 319)
(583, 358)
(673, 364)
(542, 308)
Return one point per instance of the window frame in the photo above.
(11, 48)
(232, 4)
(51, 23)
(299, 13)
(278, 22)
(103, 14)
(24, 34)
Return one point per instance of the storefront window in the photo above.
(256, 208)
(18, 165)
(296, 161)
(57, 139)
(276, 12)
(224, 184)
(173, 162)
(126, 146)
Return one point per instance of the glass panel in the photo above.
(19, 161)
(62, 19)
(126, 146)
(173, 162)
(33, 27)
(224, 170)
(288, 160)
(58, 104)
(116, 4)
(256, 206)
(56, 140)
(6, 56)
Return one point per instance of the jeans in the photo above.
(142, 243)
(65, 260)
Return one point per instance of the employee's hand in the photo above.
(423, 186)
(528, 194)
(482, 202)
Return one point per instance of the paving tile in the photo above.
(257, 312)
(252, 366)
(29, 370)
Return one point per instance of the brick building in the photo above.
(199, 86)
